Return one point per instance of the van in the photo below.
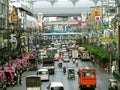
(55, 86)
(44, 74)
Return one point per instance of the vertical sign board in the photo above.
(14, 15)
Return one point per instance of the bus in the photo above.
(51, 51)
(87, 77)
(33, 82)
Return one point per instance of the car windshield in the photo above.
(43, 72)
(71, 71)
(89, 73)
(57, 88)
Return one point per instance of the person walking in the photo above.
(113, 68)
(20, 79)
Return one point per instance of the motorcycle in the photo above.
(64, 70)
(113, 84)
(73, 61)
(76, 63)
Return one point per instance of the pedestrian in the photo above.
(113, 68)
(20, 79)
(15, 78)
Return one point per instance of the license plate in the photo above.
(88, 85)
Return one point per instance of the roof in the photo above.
(42, 69)
(61, 8)
(87, 68)
(56, 84)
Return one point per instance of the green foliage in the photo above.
(103, 54)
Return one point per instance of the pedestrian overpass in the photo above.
(61, 23)
(60, 36)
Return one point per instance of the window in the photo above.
(57, 88)
(43, 72)
(88, 73)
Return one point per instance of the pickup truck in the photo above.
(48, 63)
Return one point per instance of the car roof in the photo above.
(56, 84)
(42, 69)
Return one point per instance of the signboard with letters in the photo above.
(61, 37)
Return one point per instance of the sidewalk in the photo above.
(110, 75)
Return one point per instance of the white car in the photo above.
(44, 74)
(55, 86)
(66, 58)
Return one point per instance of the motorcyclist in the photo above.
(93, 61)
(73, 60)
(64, 69)
(76, 62)
(60, 64)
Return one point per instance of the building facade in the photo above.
(4, 23)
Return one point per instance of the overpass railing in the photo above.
(60, 22)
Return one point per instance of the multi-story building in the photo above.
(4, 31)
(23, 25)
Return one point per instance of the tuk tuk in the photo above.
(112, 84)
(71, 73)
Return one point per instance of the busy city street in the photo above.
(59, 44)
(102, 77)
